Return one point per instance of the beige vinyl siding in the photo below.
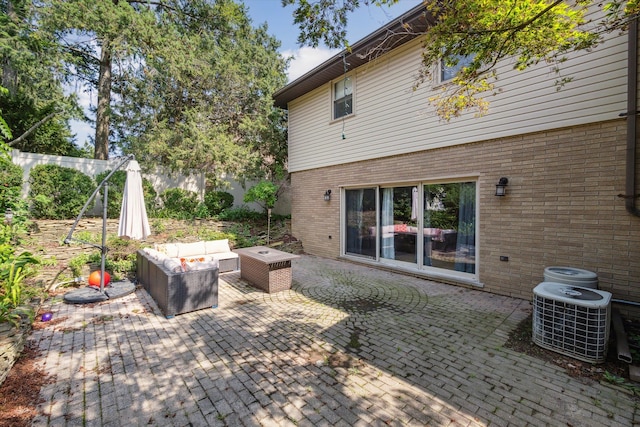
(391, 118)
(316, 104)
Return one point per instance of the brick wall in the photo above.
(561, 206)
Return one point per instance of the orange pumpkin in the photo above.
(94, 279)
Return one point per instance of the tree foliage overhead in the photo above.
(487, 31)
(181, 83)
(100, 39)
(34, 108)
(202, 101)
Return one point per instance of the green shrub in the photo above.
(57, 192)
(20, 222)
(204, 233)
(242, 237)
(201, 211)
(10, 184)
(116, 190)
(218, 201)
(179, 203)
(158, 226)
(7, 314)
(118, 266)
(150, 195)
(77, 262)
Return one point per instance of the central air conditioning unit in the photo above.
(572, 320)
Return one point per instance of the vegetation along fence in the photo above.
(160, 180)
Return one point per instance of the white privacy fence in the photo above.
(161, 181)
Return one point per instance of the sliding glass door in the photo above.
(398, 232)
(395, 224)
(449, 219)
(360, 222)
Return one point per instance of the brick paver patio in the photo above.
(346, 346)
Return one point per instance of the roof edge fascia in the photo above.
(388, 35)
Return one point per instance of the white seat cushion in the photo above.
(201, 265)
(225, 255)
(169, 249)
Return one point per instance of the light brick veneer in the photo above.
(561, 206)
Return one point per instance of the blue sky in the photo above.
(362, 22)
(280, 25)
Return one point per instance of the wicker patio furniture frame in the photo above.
(177, 293)
(267, 268)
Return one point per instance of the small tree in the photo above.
(265, 193)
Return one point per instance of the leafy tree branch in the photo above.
(487, 31)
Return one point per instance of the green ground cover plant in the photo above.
(15, 268)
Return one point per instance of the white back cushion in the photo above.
(190, 249)
(217, 246)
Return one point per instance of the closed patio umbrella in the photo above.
(133, 213)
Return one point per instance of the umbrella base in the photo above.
(89, 295)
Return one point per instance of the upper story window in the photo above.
(447, 73)
(342, 98)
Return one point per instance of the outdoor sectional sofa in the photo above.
(183, 277)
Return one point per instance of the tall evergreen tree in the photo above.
(183, 83)
(202, 102)
(33, 105)
(96, 35)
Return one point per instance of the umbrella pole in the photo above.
(69, 238)
(103, 248)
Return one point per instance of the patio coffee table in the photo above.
(267, 268)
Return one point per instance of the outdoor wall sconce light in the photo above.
(501, 187)
(327, 195)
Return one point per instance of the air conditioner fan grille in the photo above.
(575, 330)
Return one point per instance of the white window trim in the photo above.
(438, 81)
(351, 76)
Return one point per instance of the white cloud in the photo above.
(305, 59)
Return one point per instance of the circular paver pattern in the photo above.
(355, 292)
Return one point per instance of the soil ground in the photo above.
(520, 341)
(20, 392)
